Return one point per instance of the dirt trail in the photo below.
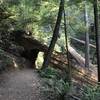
(20, 85)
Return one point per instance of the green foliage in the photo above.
(54, 80)
(49, 73)
(39, 16)
(76, 18)
(5, 60)
(91, 93)
(76, 2)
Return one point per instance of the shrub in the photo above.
(53, 80)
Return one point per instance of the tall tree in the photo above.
(55, 35)
(87, 55)
(97, 32)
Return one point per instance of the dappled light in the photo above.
(90, 76)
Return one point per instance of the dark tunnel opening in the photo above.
(31, 55)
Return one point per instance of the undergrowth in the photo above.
(54, 82)
(91, 92)
(5, 60)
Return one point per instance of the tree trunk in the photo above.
(97, 32)
(87, 50)
(66, 40)
(55, 36)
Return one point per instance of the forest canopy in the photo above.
(39, 16)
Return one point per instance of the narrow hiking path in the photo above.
(20, 85)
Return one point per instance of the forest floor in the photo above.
(22, 84)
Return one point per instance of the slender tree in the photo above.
(66, 40)
(97, 32)
(55, 35)
(87, 50)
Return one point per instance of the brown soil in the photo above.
(21, 85)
